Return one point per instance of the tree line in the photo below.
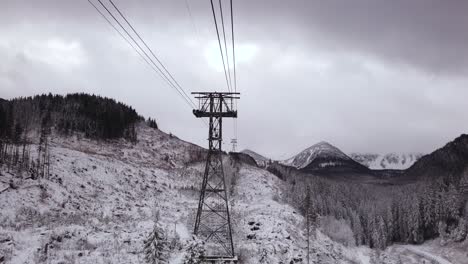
(95, 116)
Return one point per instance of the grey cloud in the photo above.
(364, 75)
(430, 35)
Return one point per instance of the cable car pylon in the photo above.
(213, 220)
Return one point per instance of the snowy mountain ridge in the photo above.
(320, 150)
(373, 161)
(392, 161)
(259, 159)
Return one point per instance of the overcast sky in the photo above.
(364, 75)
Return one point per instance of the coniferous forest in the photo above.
(380, 215)
(95, 116)
(27, 120)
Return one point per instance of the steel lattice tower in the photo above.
(213, 222)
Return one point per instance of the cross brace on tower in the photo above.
(213, 221)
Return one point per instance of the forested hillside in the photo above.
(448, 162)
(95, 116)
(28, 120)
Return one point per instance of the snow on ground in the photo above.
(264, 225)
(424, 252)
(432, 252)
(100, 203)
(454, 252)
(271, 231)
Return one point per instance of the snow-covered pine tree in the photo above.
(464, 182)
(389, 224)
(174, 239)
(356, 226)
(442, 229)
(382, 230)
(459, 233)
(452, 202)
(414, 223)
(156, 245)
(194, 251)
(464, 192)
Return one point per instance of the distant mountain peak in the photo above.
(322, 150)
(324, 145)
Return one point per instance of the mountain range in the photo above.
(324, 155)
(389, 161)
(324, 158)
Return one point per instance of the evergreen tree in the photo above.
(464, 183)
(194, 251)
(152, 123)
(156, 245)
(18, 131)
(452, 202)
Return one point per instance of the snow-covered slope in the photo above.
(394, 161)
(99, 203)
(101, 199)
(271, 231)
(322, 150)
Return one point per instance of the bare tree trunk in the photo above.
(23, 156)
(48, 160)
(28, 157)
(16, 155)
(8, 158)
(44, 159)
(38, 165)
